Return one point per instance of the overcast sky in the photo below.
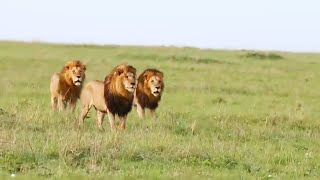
(290, 25)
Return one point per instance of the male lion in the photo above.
(148, 92)
(113, 96)
(65, 86)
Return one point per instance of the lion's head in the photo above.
(74, 71)
(152, 80)
(122, 78)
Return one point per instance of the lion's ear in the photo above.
(107, 79)
(132, 69)
(118, 72)
(145, 76)
(84, 67)
(67, 67)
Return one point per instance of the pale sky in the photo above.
(289, 25)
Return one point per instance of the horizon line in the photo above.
(150, 45)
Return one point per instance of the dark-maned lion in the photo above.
(114, 96)
(148, 92)
(65, 86)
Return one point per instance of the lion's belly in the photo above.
(99, 104)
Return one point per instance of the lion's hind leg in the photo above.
(85, 108)
(100, 116)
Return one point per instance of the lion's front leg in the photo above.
(73, 104)
(153, 114)
(111, 119)
(123, 122)
(61, 104)
(140, 110)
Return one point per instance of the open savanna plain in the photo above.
(223, 115)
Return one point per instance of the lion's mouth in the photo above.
(130, 89)
(77, 82)
(156, 93)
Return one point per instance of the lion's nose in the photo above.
(157, 87)
(133, 84)
(78, 76)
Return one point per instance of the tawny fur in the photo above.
(148, 92)
(113, 96)
(65, 87)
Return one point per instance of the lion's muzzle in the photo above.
(77, 81)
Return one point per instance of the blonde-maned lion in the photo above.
(148, 92)
(65, 86)
(114, 96)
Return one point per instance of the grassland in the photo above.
(224, 114)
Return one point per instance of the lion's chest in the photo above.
(118, 105)
(146, 102)
(69, 93)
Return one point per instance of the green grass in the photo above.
(223, 115)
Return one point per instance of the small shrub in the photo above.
(263, 55)
(7, 119)
(221, 162)
(13, 162)
(194, 59)
(136, 157)
(77, 158)
(218, 100)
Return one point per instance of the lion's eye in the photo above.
(74, 71)
(152, 81)
(127, 76)
(159, 81)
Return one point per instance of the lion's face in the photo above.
(129, 81)
(155, 83)
(125, 77)
(77, 75)
(76, 72)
